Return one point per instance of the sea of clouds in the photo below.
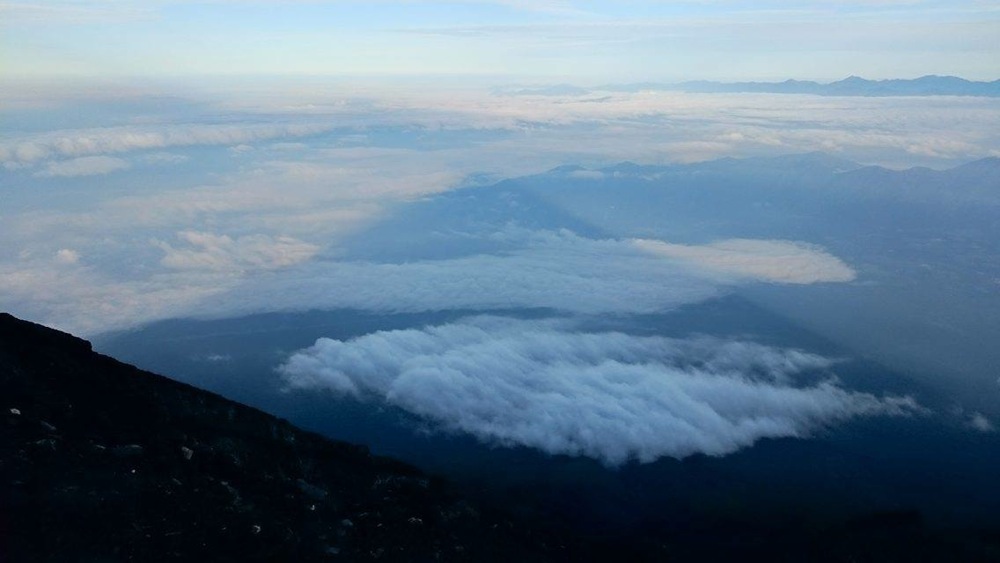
(215, 276)
(611, 396)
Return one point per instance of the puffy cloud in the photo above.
(610, 396)
(84, 166)
(208, 251)
(765, 260)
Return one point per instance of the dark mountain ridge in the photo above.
(930, 85)
(101, 461)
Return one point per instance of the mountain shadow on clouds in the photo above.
(461, 223)
(930, 276)
(887, 490)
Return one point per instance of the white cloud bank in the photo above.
(65, 294)
(610, 396)
(551, 269)
(210, 275)
(648, 126)
(779, 261)
(111, 140)
(555, 270)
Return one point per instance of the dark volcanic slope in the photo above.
(100, 461)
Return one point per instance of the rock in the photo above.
(187, 453)
(47, 427)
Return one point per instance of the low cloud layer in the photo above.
(550, 269)
(556, 270)
(83, 166)
(212, 252)
(64, 292)
(610, 396)
(764, 260)
(110, 140)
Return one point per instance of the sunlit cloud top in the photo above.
(533, 40)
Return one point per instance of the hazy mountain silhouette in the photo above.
(930, 85)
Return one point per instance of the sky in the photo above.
(540, 40)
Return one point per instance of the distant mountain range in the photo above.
(851, 86)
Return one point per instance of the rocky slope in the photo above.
(100, 461)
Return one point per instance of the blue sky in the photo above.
(530, 40)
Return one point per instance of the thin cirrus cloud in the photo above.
(516, 37)
(610, 396)
(75, 12)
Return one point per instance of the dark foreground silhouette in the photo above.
(101, 461)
